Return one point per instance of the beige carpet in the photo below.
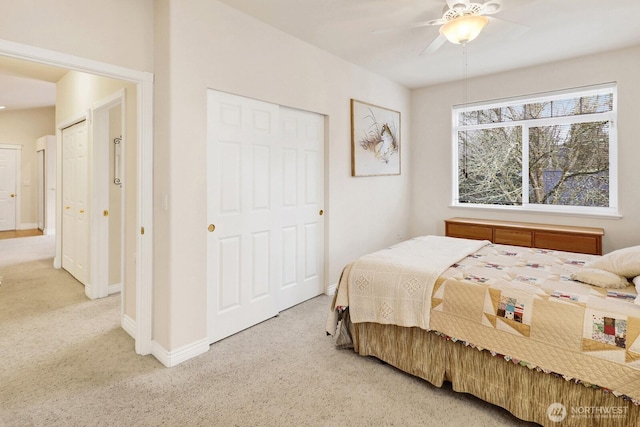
(64, 361)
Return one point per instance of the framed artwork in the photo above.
(375, 140)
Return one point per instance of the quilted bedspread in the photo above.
(521, 302)
(393, 285)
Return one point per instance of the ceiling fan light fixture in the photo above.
(464, 28)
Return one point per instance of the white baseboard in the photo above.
(332, 289)
(175, 357)
(115, 288)
(129, 326)
(49, 231)
(27, 226)
(166, 357)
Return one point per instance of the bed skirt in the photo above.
(526, 393)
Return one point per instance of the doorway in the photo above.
(140, 329)
(108, 196)
(46, 184)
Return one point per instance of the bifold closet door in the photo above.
(261, 224)
(75, 196)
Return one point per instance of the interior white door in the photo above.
(75, 196)
(242, 250)
(40, 190)
(302, 230)
(8, 167)
(264, 189)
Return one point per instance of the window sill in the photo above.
(514, 209)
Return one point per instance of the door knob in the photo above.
(211, 228)
(81, 210)
(13, 195)
(321, 212)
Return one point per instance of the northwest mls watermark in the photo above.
(557, 412)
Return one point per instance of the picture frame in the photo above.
(375, 140)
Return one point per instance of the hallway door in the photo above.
(40, 188)
(75, 197)
(8, 168)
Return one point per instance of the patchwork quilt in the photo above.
(521, 302)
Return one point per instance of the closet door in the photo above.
(243, 249)
(302, 230)
(75, 196)
(265, 245)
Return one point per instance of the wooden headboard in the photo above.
(587, 240)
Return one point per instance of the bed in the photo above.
(511, 325)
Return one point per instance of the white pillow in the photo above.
(624, 262)
(636, 281)
(600, 278)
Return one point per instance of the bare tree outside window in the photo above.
(548, 152)
(490, 166)
(569, 164)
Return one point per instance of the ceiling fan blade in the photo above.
(410, 26)
(510, 26)
(434, 45)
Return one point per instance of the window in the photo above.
(554, 153)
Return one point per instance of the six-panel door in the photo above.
(264, 196)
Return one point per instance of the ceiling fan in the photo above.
(462, 21)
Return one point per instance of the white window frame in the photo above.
(611, 116)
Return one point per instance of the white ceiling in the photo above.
(26, 84)
(387, 36)
(525, 32)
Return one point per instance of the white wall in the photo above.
(24, 127)
(117, 32)
(431, 135)
(204, 44)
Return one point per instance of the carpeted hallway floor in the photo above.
(64, 361)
